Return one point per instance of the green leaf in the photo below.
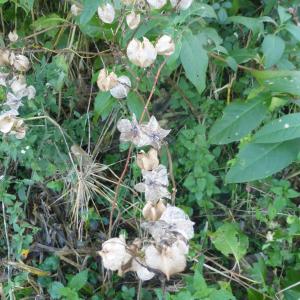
(294, 30)
(273, 47)
(230, 240)
(194, 61)
(103, 105)
(54, 289)
(68, 293)
(90, 8)
(283, 14)
(221, 295)
(279, 81)
(47, 21)
(135, 104)
(279, 130)
(78, 281)
(257, 161)
(239, 119)
(251, 23)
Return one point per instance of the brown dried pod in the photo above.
(153, 211)
(147, 161)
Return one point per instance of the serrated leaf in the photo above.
(230, 240)
(273, 47)
(239, 119)
(78, 281)
(279, 130)
(279, 81)
(194, 61)
(54, 289)
(256, 161)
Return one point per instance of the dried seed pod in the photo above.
(13, 36)
(153, 211)
(106, 81)
(131, 132)
(169, 260)
(106, 13)
(122, 88)
(142, 54)
(179, 220)
(133, 20)
(75, 10)
(4, 58)
(6, 123)
(19, 62)
(114, 253)
(138, 266)
(165, 46)
(147, 161)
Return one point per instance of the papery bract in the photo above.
(155, 132)
(155, 184)
(170, 260)
(13, 36)
(165, 46)
(3, 77)
(142, 272)
(147, 161)
(114, 254)
(157, 4)
(75, 10)
(4, 57)
(106, 13)
(179, 219)
(181, 4)
(122, 88)
(19, 62)
(153, 211)
(6, 123)
(106, 81)
(142, 54)
(133, 20)
(131, 132)
(31, 92)
(12, 101)
(18, 86)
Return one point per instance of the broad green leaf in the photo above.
(273, 47)
(239, 119)
(251, 23)
(135, 104)
(257, 161)
(104, 103)
(230, 240)
(47, 21)
(283, 14)
(90, 8)
(199, 9)
(279, 81)
(194, 61)
(78, 281)
(279, 130)
(294, 30)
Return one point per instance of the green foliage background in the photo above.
(230, 94)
